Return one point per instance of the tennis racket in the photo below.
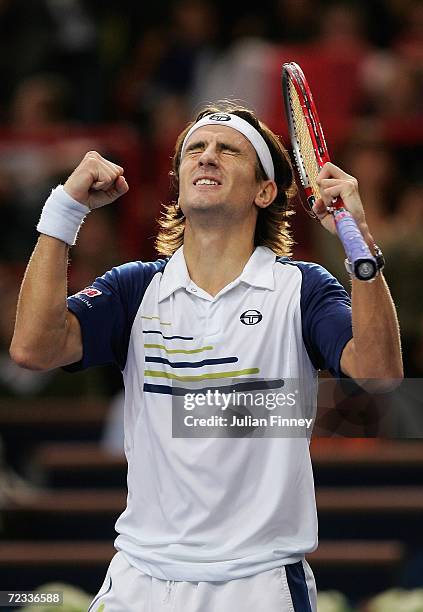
(310, 154)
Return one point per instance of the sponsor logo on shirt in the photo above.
(89, 291)
(251, 317)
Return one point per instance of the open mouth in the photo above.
(206, 182)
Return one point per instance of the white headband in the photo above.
(240, 125)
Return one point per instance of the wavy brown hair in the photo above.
(272, 226)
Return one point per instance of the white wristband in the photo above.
(62, 216)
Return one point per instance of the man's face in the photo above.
(218, 173)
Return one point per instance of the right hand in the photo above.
(96, 181)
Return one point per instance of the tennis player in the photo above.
(212, 524)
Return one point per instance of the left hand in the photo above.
(334, 182)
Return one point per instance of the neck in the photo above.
(215, 257)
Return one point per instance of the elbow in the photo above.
(380, 385)
(27, 359)
(392, 380)
(397, 376)
(382, 382)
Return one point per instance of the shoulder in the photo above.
(317, 283)
(130, 278)
(134, 272)
(125, 284)
(313, 275)
(309, 270)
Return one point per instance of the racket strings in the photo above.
(305, 143)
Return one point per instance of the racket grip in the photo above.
(363, 263)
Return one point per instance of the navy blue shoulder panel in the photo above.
(325, 315)
(106, 311)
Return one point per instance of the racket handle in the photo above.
(363, 263)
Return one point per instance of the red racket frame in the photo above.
(364, 264)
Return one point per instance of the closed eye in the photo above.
(226, 148)
(195, 147)
(222, 147)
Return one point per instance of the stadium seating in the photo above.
(369, 499)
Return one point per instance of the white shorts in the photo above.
(290, 588)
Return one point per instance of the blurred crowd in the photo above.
(124, 78)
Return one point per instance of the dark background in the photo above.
(124, 78)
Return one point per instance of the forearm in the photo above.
(41, 318)
(376, 347)
(46, 335)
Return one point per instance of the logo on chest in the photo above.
(251, 317)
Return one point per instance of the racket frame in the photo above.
(292, 72)
(365, 266)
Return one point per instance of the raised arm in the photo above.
(374, 352)
(46, 334)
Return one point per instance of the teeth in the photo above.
(206, 182)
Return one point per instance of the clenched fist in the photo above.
(96, 181)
